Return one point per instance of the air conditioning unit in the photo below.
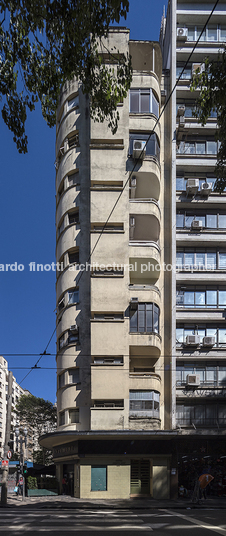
(74, 328)
(192, 186)
(193, 380)
(208, 341)
(206, 188)
(192, 340)
(199, 66)
(139, 149)
(196, 224)
(182, 34)
(181, 110)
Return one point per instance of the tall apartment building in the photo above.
(17, 391)
(198, 232)
(140, 350)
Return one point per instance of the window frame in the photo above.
(140, 315)
(153, 101)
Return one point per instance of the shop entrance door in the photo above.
(140, 477)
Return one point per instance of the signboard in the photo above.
(5, 463)
(9, 454)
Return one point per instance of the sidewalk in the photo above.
(66, 502)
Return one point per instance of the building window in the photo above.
(61, 380)
(61, 228)
(72, 103)
(181, 183)
(144, 318)
(200, 259)
(108, 316)
(201, 297)
(108, 404)
(213, 33)
(73, 416)
(73, 375)
(201, 415)
(144, 403)
(216, 333)
(72, 179)
(73, 296)
(73, 217)
(152, 144)
(62, 341)
(209, 147)
(73, 257)
(108, 271)
(108, 360)
(210, 374)
(98, 478)
(61, 418)
(190, 108)
(61, 304)
(186, 73)
(143, 101)
(211, 220)
(107, 227)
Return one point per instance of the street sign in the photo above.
(5, 463)
(9, 454)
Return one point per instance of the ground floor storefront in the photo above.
(108, 465)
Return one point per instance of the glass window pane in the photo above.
(200, 298)
(133, 320)
(180, 183)
(189, 298)
(200, 259)
(222, 261)
(191, 33)
(155, 106)
(149, 313)
(201, 332)
(156, 319)
(202, 373)
(179, 335)
(134, 101)
(222, 376)
(141, 317)
(198, 32)
(189, 148)
(211, 375)
(211, 221)
(222, 221)
(180, 258)
(211, 260)
(211, 147)
(212, 33)
(223, 33)
(222, 335)
(221, 297)
(211, 297)
(188, 220)
(180, 220)
(189, 258)
(200, 148)
(145, 102)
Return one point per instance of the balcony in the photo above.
(144, 380)
(145, 344)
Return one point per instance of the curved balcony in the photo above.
(66, 280)
(143, 380)
(152, 292)
(144, 258)
(69, 123)
(145, 185)
(144, 207)
(67, 164)
(68, 201)
(145, 227)
(69, 238)
(146, 344)
(144, 122)
(66, 397)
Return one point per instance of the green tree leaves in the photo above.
(46, 43)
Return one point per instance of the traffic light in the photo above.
(24, 469)
(10, 444)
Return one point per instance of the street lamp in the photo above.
(23, 441)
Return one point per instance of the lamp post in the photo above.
(21, 437)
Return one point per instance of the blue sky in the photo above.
(27, 223)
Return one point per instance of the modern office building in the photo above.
(141, 369)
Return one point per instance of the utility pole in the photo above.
(7, 438)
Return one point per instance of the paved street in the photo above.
(162, 522)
